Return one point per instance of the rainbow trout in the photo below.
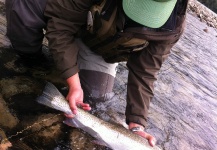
(113, 136)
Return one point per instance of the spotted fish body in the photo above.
(114, 136)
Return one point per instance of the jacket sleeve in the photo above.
(65, 18)
(143, 68)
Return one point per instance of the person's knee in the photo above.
(96, 85)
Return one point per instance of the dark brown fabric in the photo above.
(25, 23)
(65, 18)
(143, 68)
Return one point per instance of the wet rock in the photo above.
(205, 14)
(18, 145)
(7, 120)
(206, 30)
(2, 136)
(44, 130)
(17, 85)
(80, 140)
(212, 4)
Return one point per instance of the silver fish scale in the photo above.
(115, 136)
(61, 104)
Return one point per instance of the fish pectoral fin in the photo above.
(98, 142)
(73, 123)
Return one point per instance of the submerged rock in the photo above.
(7, 119)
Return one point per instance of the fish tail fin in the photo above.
(49, 92)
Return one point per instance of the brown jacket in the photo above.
(65, 19)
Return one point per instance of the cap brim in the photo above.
(149, 13)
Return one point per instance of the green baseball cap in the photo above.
(150, 13)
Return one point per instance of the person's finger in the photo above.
(79, 104)
(73, 106)
(152, 142)
(84, 106)
(150, 138)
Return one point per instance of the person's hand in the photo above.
(75, 95)
(75, 98)
(141, 132)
